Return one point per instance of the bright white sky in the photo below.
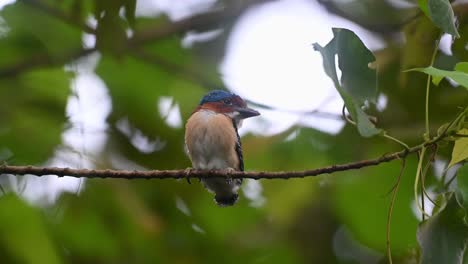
(270, 60)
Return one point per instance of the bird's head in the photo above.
(227, 103)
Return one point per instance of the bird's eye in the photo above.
(227, 101)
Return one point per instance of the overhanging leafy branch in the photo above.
(198, 22)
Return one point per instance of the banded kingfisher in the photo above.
(213, 143)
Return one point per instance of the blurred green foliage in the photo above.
(339, 218)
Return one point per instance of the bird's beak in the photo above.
(245, 112)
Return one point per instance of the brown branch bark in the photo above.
(201, 22)
(191, 173)
(336, 8)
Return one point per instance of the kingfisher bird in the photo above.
(213, 143)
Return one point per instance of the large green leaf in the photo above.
(462, 183)
(33, 28)
(441, 14)
(462, 67)
(24, 235)
(358, 82)
(423, 5)
(443, 236)
(460, 149)
(459, 44)
(354, 60)
(111, 36)
(33, 115)
(458, 76)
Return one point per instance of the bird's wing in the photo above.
(238, 148)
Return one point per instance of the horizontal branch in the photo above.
(202, 22)
(192, 173)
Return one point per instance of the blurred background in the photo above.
(110, 84)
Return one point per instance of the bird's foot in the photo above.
(187, 173)
(228, 172)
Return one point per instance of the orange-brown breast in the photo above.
(211, 140)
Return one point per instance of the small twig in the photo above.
(316, 112)
(423, 178)
(384, 134)
(450, 181)
(416, 182)
(423, 215)
(200, 22)
(395, 140)
(428, 84)
(334, 7)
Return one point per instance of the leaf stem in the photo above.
(346, 117)
(396, 140)
(447, 184)
(427, 136)
(416, 181)
(423, 185)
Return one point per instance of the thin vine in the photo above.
(427, 136)
(390, 209)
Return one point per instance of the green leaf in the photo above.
(462, 183)
(462, 67)
(79, 223)
(34, 28)
(23, 233)
(459, 44)
(436, 80)
(358, 81)
(34, 116)
(458, 76)
(460, 149)
(423, 6)
(137, 91)
(110, 34)
(441, 14)
(130, 6)
(442, 238)
(354, 58)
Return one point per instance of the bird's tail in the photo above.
(226, 200)
(225, 190)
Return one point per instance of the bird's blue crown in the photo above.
(215, 96)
